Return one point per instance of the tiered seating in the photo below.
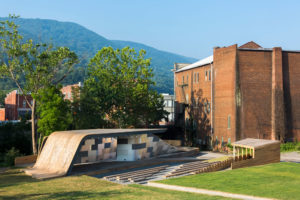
(136, 176)
(192, 168)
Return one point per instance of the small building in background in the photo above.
(169, 107)
(68, 89)
(15, 106)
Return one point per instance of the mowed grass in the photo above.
(17, 185)
(279, 180)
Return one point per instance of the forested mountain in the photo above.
(86, 43)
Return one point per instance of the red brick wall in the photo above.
(224, 93)
(13, 102)
(67, 91)
(11, 106)
(197, 90)
(2, 114)
(244, 84)
(255, 77)
(291, 82)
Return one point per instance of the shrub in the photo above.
(9, 157)
(298, 147)
(17, 135)
(229, 145)
(290, 146)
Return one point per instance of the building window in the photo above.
(194, 77)
(198, 77)
(207, 75)
(170, 103)
(187, 79)
(182, 79)
(228, 122)
(24, 104)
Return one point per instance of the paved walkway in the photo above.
(290, 157)
(205, 192)
(207, 155)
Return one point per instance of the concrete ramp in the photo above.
(63, 149)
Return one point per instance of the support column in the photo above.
(234, 152)
(278, 110)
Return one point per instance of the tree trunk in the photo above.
(33, 128)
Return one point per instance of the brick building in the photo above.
(240, 92)
(2, 114)
(15, 106)
(67, 91)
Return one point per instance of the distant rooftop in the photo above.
(205, 61)
(250, 45)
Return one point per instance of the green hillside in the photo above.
(86, 43)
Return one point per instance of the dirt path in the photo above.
(206, 192)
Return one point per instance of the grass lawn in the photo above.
(16, 185)
(279, 180)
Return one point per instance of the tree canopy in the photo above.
(31, 66)
(119, 89)
(53, 110)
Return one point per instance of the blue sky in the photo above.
(190, 27)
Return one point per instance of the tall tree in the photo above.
(31, 66)
(120, 84)
(53, 111)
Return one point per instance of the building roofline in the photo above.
(202, 62)
(267, 49)
(260, 49)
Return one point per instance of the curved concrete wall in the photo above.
(62, 149)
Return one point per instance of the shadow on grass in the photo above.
(65, 195)
(13, 178)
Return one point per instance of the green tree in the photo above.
(32, 67)
(87, 108)
(53, 111)
(119, 88)
(2, 98)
